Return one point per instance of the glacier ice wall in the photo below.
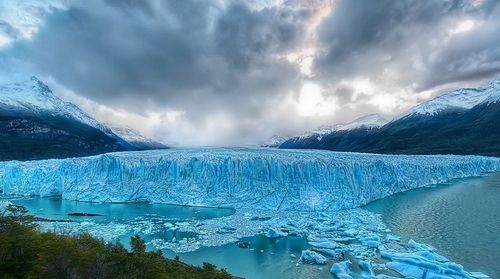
(240, 178)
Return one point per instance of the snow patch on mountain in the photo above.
(494, 90)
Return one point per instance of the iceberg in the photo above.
(342, 269)
(372, 241)
(423, 265)
(321, 242)
(256, 178)
(275, 233)
(312, 257)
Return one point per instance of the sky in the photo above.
(228, 72)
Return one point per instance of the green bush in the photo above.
(27, 253)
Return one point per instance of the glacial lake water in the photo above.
(461, 219)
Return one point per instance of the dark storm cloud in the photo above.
(410, 40)
(471, 56)
(171, 53)
(225, 65)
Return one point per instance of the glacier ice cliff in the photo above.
(240, 178)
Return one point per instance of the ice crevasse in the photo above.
(239, 178)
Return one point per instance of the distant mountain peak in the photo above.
(463, 121)
(273, 141)
(367, 121)
(35, 97)
(463, 98)
(136, 139)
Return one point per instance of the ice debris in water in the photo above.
(354, 256)
(240, 178)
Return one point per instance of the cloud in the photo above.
(207, 59)
(408, 44)
(227, 72)
(167, 53)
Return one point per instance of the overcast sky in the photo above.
(228, 72)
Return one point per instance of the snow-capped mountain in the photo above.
(36, 124)
(364, 123)
(273, 141)
(461, 99)
(464, 121)
(34, 97)
(494, 90)
(136, 139)
(367, 121)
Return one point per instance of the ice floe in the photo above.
(311, 257)
(342, 269)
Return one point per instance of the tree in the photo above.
(138, 245)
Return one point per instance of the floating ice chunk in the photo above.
(229, 227)
(407, 270)
(275, 233)
(343, 239)
(342, 269)
(348, 233)
(420, 246)
(391, 237)
(420, 263)
(372, 241)
(321, 242)
(366, 270)
(337, 254)
(479, 275)
(312, 257)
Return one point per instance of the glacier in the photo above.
(257, 178)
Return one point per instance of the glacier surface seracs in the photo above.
(240, 178)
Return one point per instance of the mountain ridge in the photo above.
(463, 121)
